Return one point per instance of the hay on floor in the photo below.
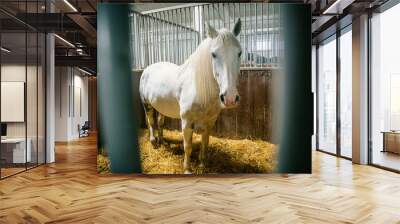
(222, 156)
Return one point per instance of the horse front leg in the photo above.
(204, 144)
(187, 132)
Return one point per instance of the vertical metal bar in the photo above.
(136, 39)
(165, 37)
(250, 39)
(170, 58)
(180, 35)
(338, 98)
(268, 34)
(189, 32)
(168, 37)
(220, 21)
(37, 91)
(177, 37)
(139, 40)
(256, 34)
(275, 33)
(234, 13)
(148, 34)
(142, 38)
(155, 36)
(159, 34)
(186, 33)
(317, 96)
(225, 15)
(150, 41)
(149, 38)
(262, 34)
(245, 34)
(208, 17)
(213, 14)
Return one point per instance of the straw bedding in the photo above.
(222, 156)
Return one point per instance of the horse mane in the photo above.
(200, 61)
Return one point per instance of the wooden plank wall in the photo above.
(252, 118)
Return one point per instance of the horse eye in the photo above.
(240, 54)
(213, 55)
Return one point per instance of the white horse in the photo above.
(195, 91)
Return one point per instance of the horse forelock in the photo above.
(226, 37)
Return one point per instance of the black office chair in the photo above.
(84, 130)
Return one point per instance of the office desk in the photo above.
(391, 141)
(13, 150)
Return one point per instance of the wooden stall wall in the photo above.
(252, 119)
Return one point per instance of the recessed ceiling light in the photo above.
(65, 41)
(84, 71)
(5, 50)
(70, 5)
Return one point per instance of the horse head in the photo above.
(225, 53)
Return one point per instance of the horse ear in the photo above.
(211, 32)
(237, 28)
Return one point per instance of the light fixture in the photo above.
(70, 5)
(65, 41)
(5, 50)
(332, 9)
(84, 71)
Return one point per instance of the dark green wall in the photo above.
(117, 97)
(297, 122)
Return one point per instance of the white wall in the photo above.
(71, 94)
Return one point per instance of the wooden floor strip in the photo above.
(70, 191)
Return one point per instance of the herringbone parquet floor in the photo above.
(70, 191)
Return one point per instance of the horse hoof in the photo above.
(154, 143)
(187, 172)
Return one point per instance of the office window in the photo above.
(327, 96)
(346, 93)
(385, 88)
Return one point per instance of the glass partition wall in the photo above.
(345, 62)
(385, 89)
(327, 95)
(22, 78)
(334, 94)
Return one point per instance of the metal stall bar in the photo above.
(256, 35)
(245, 35)
(173, 34)
(262, 34)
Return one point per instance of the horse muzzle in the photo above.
(229, 101)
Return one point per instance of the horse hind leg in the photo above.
(150, 123)
(160, 124)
